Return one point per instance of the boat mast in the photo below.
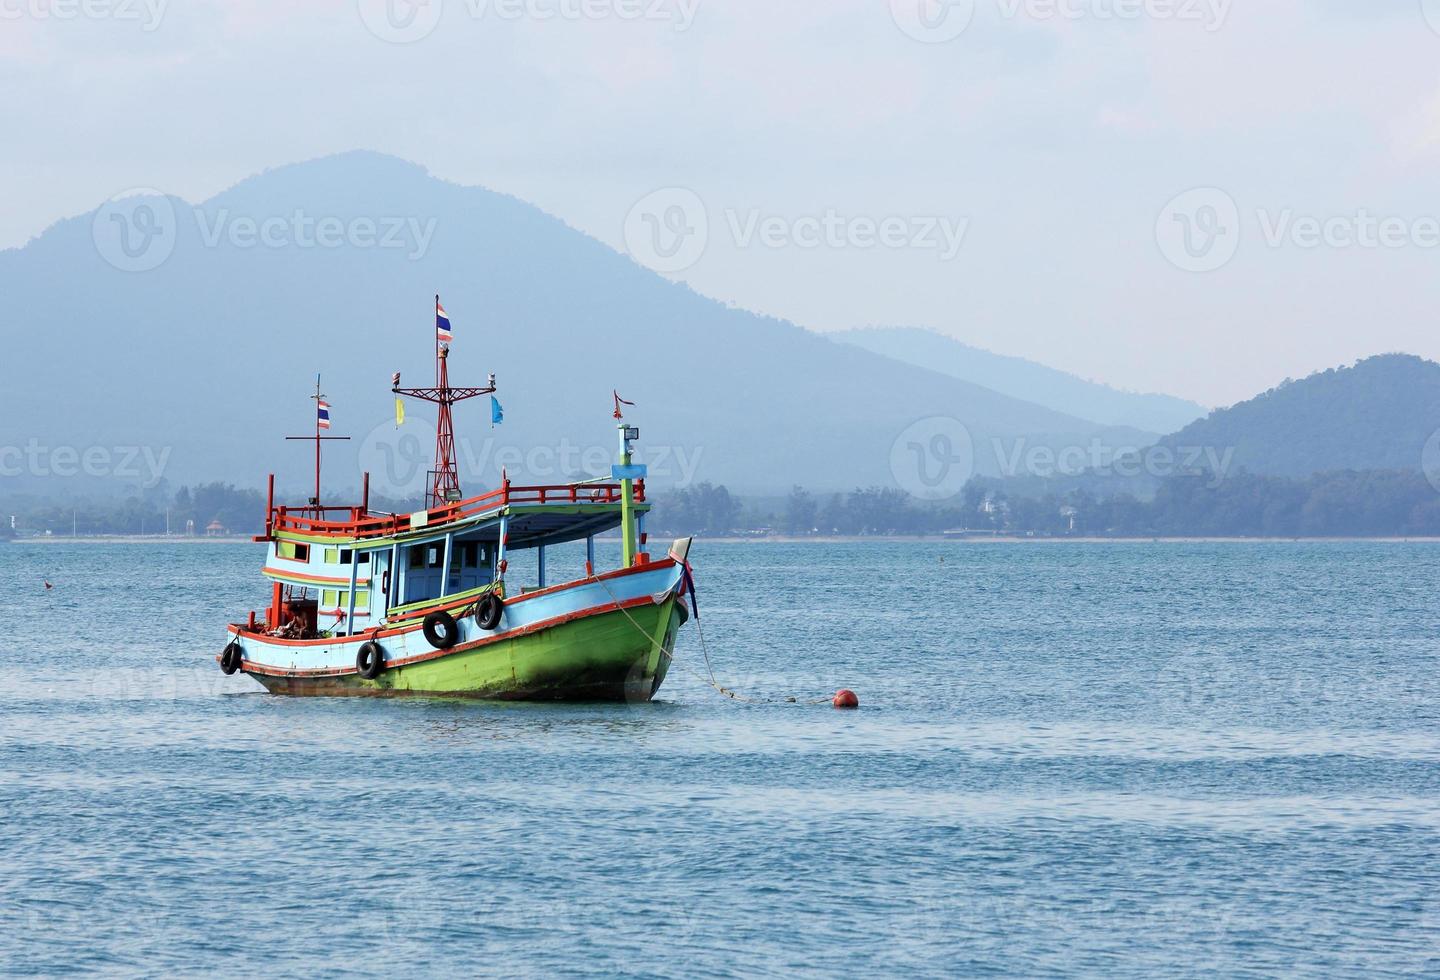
(627, 471)
(318, 398)
(445, 478)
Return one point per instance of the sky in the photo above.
(1200, 197)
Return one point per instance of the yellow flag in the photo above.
(399, 412)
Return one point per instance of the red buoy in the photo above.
(846, 699)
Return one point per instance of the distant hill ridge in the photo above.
(1378, 414)
(1026, 380)
(209, 357)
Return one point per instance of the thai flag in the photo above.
(324, 417)
(442, 323)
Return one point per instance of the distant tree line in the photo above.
(236, 511)
(1350, 503)
(702, 509)
(1381, 503)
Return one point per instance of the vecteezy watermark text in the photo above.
(1019, 458)
(137, 230)
(680, 13)
(1201, 230)
(301, 230)
(408, 21)
(147, 13)
(669, 230)
(399, 460)
(144, 463)
(933, 459)
(938, 21)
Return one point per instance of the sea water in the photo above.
(1142, 759)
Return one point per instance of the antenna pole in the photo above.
(318, 438)
(317, 441)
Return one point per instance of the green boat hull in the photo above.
(619, 655)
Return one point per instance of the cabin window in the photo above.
(347, 557)
(330, 598)
(293, 550)
(427, 555)
(470, 554)
(362, 598)
(332, 556)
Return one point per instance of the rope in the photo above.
(705, 651)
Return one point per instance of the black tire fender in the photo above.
(489, 611)
(441, 630)
(231, 659)
(370, 661)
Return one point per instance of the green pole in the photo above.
(627, 505)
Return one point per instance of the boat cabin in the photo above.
(348, 570)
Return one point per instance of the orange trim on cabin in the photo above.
(318, 579)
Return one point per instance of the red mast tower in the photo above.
(444, 478)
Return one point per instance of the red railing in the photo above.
(359, 525)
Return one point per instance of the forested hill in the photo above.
(1377, 415)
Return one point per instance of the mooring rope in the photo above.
(705, 652)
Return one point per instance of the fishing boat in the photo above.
(385, 604)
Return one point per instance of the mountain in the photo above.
(185, 339)
(1026, 380)
(1380, 414)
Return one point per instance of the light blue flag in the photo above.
(497, 414)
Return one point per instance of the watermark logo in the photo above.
(147, 13)
(401, 21)
(933, 21)
(933, 458)
(668, 230)
(1431, 11)
(1430, 460)
(1192, 680)
(1199, 230)
(135, 231)
(399, 459)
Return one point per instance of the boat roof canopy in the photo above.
(537, 527)
(532, 517)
